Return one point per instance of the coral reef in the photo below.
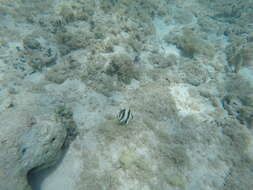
(240, 55)
(191, 43)
(183, 68)
(122, 66)
(238, 101)
(38, 52)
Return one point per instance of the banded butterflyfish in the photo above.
(124, 116)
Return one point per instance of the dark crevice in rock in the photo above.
(36, 176)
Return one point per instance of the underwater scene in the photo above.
(126, 94)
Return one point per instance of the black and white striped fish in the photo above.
(124, 116)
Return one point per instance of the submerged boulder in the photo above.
(32, 137)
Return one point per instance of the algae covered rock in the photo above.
(39, 52)
(127, 159)
(191, 43)
(240, 55)
(33, 135)
(122, 66)
(239, 102)
(155, 101)
(237, 107)
(193, 73)
(177, 181)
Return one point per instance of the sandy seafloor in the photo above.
(183, 68)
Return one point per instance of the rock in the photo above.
(31, 42)
(122, 66)
(32, 137)
(39, 52)
(191, 43)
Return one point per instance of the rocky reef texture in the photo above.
(32, 136)
(184, 68)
